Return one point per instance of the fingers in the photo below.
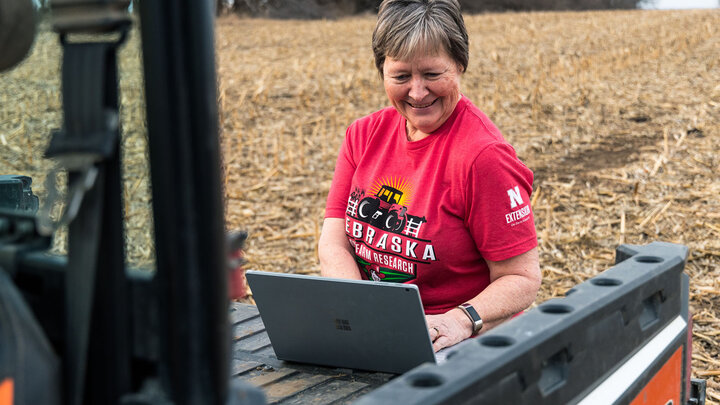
(442, 336)
(445, 331)
(439, 340)
(442, 342)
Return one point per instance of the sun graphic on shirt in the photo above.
(398, 183)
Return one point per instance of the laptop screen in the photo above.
(343, 323)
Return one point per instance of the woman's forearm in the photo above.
(502, 299)
(514, 286)
(506, 295)
(335, 252)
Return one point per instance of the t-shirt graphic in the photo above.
(385, 234)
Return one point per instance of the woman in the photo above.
(427, 191)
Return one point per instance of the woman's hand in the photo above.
(449, 328)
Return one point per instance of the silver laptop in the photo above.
(353, 324)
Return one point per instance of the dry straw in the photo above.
(617, 113)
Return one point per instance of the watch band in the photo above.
(473, 315)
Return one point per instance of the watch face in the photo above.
(473, 315)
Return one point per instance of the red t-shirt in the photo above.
(430, 212)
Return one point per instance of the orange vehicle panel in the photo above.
(665, 386)
(6, 392)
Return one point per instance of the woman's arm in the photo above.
(335, 251)
(514, 284)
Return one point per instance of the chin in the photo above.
(426, 127)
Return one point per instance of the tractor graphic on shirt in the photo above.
(384, 210)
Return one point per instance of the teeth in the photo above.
(420, 106)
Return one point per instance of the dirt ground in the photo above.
(617, 114)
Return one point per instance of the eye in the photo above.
(401, 77)
(432, 75)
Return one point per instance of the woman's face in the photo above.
(424, 89)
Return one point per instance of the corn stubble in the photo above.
(617, 113)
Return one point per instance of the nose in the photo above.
(418, 89)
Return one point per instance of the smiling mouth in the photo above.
(418, 106)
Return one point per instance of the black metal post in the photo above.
(178, 54)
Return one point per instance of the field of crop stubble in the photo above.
(617, 113)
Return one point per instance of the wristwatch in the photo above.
(473, 315)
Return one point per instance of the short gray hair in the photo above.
(405, 27)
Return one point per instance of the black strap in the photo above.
(89, 137)
(89, 101)
(83, 249)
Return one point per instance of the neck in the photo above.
(414, 134)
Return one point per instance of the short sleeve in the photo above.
(499, 215)
(342, 179)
